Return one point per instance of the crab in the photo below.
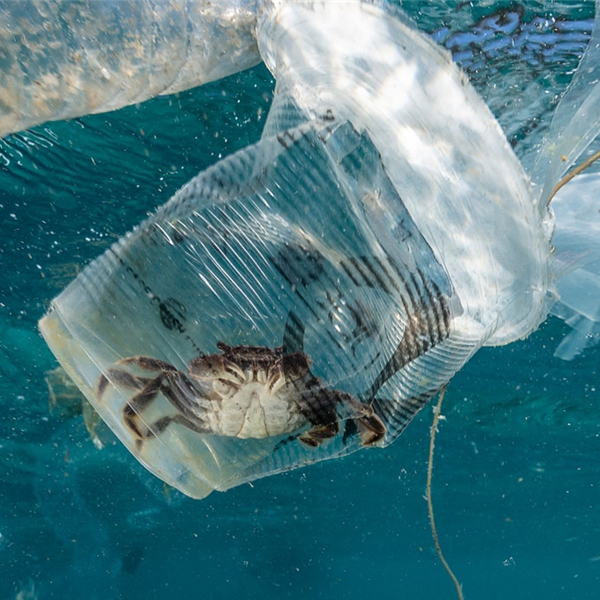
(243, 392)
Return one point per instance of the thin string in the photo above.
(582, 167)
(436, 417)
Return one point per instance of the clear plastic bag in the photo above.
(305, 297)
(244, 256)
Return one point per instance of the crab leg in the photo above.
(128, 380)
(179, 391)
(133, 409)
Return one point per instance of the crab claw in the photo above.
(315, 436)
(371, 430)
(370, 427)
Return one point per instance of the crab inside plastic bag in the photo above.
(307, 296)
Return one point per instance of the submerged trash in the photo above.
(281, 290)
(66, 398)
(307, 296)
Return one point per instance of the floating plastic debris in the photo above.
(66, 398)
(307, 296)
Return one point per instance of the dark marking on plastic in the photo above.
(173, 314)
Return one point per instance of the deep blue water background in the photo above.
(517, 474)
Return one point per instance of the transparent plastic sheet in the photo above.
(577, 263)
(575, 126)
(244, 255)
(379, 234)
(576, 121)
(63, 59)
(442, 148)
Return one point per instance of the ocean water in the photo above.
(516, 484)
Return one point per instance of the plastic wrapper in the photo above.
(577, 262)
(307, 296)
(241, 256)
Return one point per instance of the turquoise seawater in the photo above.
(516, 484)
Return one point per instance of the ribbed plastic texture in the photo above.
(299, 241)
